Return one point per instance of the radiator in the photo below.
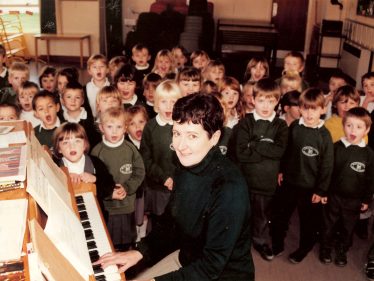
(355, 61)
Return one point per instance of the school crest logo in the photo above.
(126, 169)
(267, 140)
(310, 151)
(358, 167)
(223, 149)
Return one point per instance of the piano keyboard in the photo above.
(96, 237)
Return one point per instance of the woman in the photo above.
(207, 218)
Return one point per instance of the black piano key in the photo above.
(89, 234)
(81, 207)
(97, 269)
(94, 258)
(100, 278)
(86, 224)
(79, 199)
(83, 215)
(91, 245)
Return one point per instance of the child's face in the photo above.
(179, 59)
(149, 93)
(2, 60)
(200, 62)
(248, 98)
(165, 108)
(230, 97)
(368, 87)
(25, 98)
(293, 64)
(72, 148)
(355, 130)
(98, 70)
(189, 87)
(163, 65)
(8, 113)
(113, 129)
(345, 104)
(72, 99)
(265, 105)
(293, 111)
(107, 102)
(17, 78)
(215, 74)
(141, 57)
(46, 110)
(126, 89)
(288, 86)
(312, 115)
(136, 126)
(61, 83)
(48, 83)
(335, 83)
(258, 72)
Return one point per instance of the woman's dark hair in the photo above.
(200, 109)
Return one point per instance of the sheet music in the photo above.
(12, 228)
(18, 137)
(13, 163)
(66, 232)
(37, 185)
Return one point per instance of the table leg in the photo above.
(81, 49)
(89, 45)
(36, 50)
(47, 44)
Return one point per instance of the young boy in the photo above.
(150, 83)
(189, 80)
(97, 66)
(337, 80)
(307, 168)
(26, 94)
(261, 141)
(352, 185)
(140, 57)
(18, 73)
(367, 101)
(199, 59)
(3, 70)
(128, 172)
(45, 107)
(9, 112)
(214, 71)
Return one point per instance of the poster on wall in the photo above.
(365, 8)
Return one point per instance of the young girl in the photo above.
(257, 68)
(189, 80)
(232, 101)
(290, 81)
(156, 150)
(107, 97)
(164, 63)
(290, 107)
(248, 105)
(180, 56)
(208, 87)
(200, 59)
(26, 93)
(47, 78)
(70, 150)
(9, 111)
(214, 71)
(65, 75)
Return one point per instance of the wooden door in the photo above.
(290, 18)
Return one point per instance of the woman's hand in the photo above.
(87, 177)
(316, 198)
(169, 183)
(124, 260)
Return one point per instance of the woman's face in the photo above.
(191, 142)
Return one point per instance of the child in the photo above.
(97, 66)
(18, 73)
(290, 107)
(150, 83)
(114, 64)
(47, 78)
(126, 84)
(45, 108)
(65, 75)
(307, 168)
(257, 68)
(26, 93)
(9, 112)
(352, 185)
(260, 144)
(345, 98)
(290, 81)
(141, 57)
(367, 81)
(70, 146)
(337, 80)
(294, 61)
(180, 56)
(156, 151)
(164, 64)
(248, 96)
(189, 80)
(231, 98)
(215, 71)
(200, 59)
(72, 99)
(128, 173)
(3, 70)
(107, 97)
(209, 87)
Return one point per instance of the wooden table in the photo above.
(62, 37)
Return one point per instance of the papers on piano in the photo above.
(13, 164)
(12, 228)
(18, 137)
